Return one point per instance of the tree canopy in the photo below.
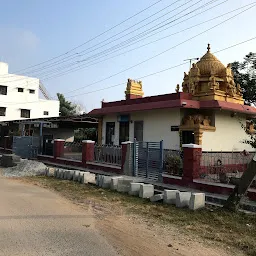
(245, 75)
(67, 108)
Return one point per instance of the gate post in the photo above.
(87, 151)
(127, 158)
(6, 142)
(147, 159)
(161, 158)
(191, 162)
(58, 148)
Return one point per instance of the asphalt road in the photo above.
(35, 221)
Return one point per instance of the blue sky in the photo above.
(36, 31)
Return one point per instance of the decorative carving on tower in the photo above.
(213, 84)
(209, 79)
(177, 88)
(197, 123)
(134, 89)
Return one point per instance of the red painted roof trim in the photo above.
(174, 100)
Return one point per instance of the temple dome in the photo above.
(209, 64)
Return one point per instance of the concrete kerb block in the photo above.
(170, 196)
(114, 180)
(62, 174)
(66, 174)
(70, 174)
(157, 197)
(182, 199)
(58, 173)
(88, 178)
(134, 188)
(50, 172)
(123, 185)
(80, 177)
(146, 190)
(76, 175)
(46, 173)
(99, 178)
(197, 201)
(55, 173)
(106, 182)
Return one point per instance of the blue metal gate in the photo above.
(148, 159)
(26, 146)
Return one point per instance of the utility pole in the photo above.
(190, 61)
(241, 188)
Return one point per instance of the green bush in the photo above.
(174, 165)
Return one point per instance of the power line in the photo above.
(158, 54)
(65, 59)
(61, 61)
(56, 70)
(94, 63)
(151, 74)
(164, 70)
(163, 51)
(127, 41)
(143, 10)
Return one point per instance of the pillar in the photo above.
(198, 135)
(88, 151)
(100, 121)
(6, 142)
(191, 162)
(127, 158)
(58, 148)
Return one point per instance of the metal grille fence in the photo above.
(224, 167)
(108, 154)
(26, 146)
(148, 159)
(73, 150)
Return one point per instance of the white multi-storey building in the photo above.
(19, 98)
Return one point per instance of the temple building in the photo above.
(209, 111)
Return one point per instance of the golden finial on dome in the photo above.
(208, 48)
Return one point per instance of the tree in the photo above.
(67, 108)
(245, 75)
(86, 134)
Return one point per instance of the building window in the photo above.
(25, 113)
(20, 89)
(110, 132)
(138, 130)
(3, 90)
(46, 113)
(31, 91)
(2, 111)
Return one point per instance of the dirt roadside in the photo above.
(135, 227)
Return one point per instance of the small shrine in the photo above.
(209, 79)
(133, 89)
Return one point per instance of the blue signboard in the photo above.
(123, 118)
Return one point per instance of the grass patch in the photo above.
(236, 230)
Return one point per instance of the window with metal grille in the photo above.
(32, 91)
(3, 90)
(20, 89)
(25, 113)
(46, 113)
(2, 111)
